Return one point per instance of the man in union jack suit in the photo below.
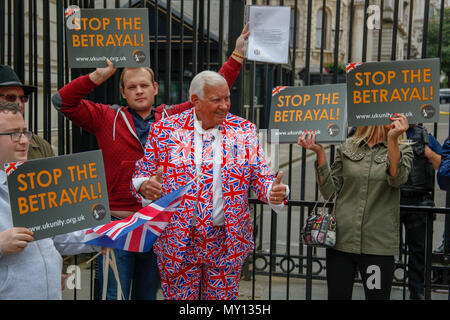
(210, 235)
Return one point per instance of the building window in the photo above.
(319, 17)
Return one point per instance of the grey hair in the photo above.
(10, 107)
(210, 78)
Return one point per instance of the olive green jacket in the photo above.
(368, 198)
(39, 148)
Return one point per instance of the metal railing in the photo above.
(309, 263)
(300, 265)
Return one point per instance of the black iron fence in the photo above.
(190, 36)
(308, 263)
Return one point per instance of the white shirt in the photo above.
(217, 214)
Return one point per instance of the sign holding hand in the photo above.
(278, 192)
(15, 240)
(100, 75)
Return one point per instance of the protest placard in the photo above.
(320, 109)
(94, 35)
(58, 195)
(377, 90)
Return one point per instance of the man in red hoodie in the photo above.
(121, 134)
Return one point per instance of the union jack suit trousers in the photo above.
(201, 274)
(170, 145)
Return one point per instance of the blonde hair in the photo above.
(149, 70)
(367, 133)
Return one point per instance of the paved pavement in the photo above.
(262, 291)
(297, 290)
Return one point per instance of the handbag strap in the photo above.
(315, 206)
(334, 205)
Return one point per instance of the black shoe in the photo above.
(416, 296)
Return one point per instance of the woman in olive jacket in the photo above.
(366, 175)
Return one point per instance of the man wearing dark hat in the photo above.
(13, 90)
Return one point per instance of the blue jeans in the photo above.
(139, 268)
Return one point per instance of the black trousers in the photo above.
(415, 236)
(415, 241)
(376, 273)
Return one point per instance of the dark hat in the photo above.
(8, 78)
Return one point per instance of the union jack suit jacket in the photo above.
(171, 145)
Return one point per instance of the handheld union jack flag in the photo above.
(138, 232)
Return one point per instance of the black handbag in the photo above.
(320, 227)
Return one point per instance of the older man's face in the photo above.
(11, 151)
(13, 92)
(213, 108)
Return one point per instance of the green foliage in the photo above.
(329, 68)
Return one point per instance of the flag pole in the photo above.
(196, 177)
(113, 264)
(105, 273)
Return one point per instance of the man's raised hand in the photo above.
(100, 75)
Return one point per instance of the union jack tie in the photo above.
(205, 190)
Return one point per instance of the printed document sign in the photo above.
(94, 35)
(320, 109)
(269, 33)
(377, 90)
(59, 195)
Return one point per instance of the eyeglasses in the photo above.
(13, 97)
(16, 136)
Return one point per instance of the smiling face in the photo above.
(213, 108)
(11, 151)
(139, 90)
